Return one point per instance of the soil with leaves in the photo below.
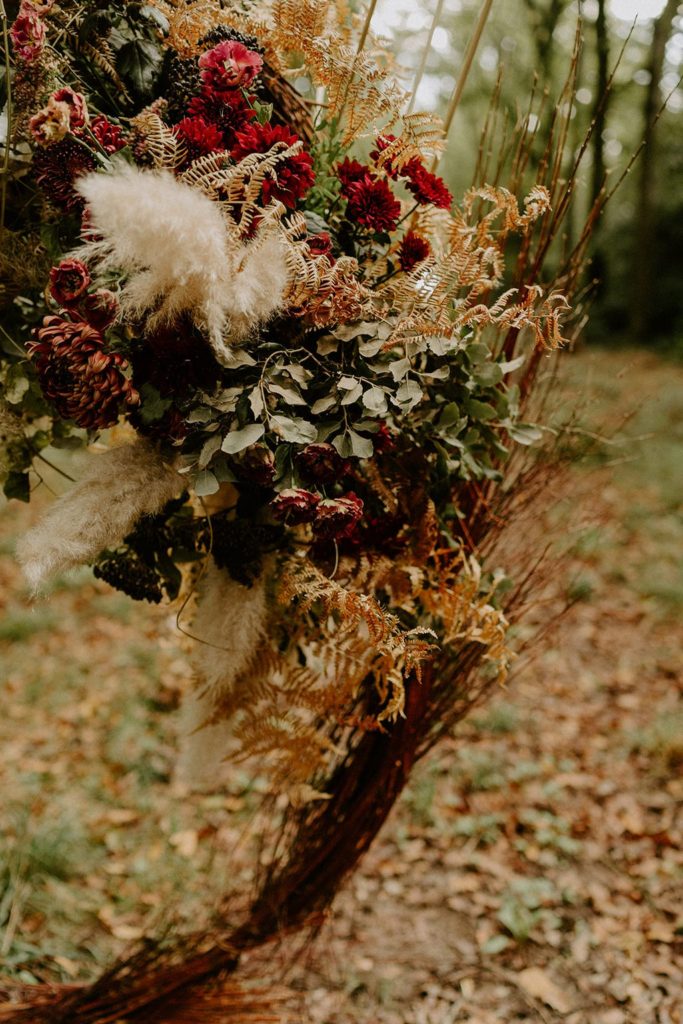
(532, 872)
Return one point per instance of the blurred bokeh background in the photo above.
(637, 249)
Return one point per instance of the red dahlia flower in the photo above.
(200, 136)
(226, 109)
(230, 65)
(85, 383)
(428, 188)
(27, 33)
(294, 175)
(68, 281)
(336, 518)
(413, 250)
(372, 204)
(109, 136)
(295, 506)
(350, 171)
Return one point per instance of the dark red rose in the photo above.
(200, 136)
(27, 33)
(85, 383)
(75, 101)
(336, 518)
(320, 245)
(412, 250)
(428, 188)
(349, 171)
(258, 465)
(320, 463)
(56, 169)
(295, 506)
(294, 176)
(68, 281)
(230, 65)
(100, 308)
(110, 136)
(372, 204)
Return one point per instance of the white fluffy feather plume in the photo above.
(120, 487)
(230, 623)
(180, 255)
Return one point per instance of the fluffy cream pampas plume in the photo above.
(119, 487)
(179, 254)
(229, 624)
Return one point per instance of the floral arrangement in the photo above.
(311, 354)
(305, 375)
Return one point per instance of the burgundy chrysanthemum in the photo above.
(412, 250)
(320, 463)
(336, 518)
(230, 65)
(294, 175)
(57, 167)
(68, 281)
(349, 171)
(295, 506)
(85, 383)
(226, 109)
(27, 33)
(200, 136)
(428, 188)
(372, 204)
(110, 136)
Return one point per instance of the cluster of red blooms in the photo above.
(330, 518)
(221, 117)
(28, 30)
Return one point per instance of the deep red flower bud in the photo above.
(337, 518)
(110, 136)
(100, 308)
(295, 506)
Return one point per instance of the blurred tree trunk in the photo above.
(544, 18)
(645, 241)
(599, 119)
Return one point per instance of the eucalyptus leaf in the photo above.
(323, 404)
(238, 440)
(524, 433)
(294, 429)
(205, 484)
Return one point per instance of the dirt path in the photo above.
(533, 872)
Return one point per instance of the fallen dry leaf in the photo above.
(538, 984)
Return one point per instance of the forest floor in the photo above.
(532, 872)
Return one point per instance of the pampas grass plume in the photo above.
(180, 255)
(229, 624)
(120, 487)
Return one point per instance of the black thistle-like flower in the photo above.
(86, 383)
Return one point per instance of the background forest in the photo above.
(638, 243)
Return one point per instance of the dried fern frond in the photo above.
(160, 143)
